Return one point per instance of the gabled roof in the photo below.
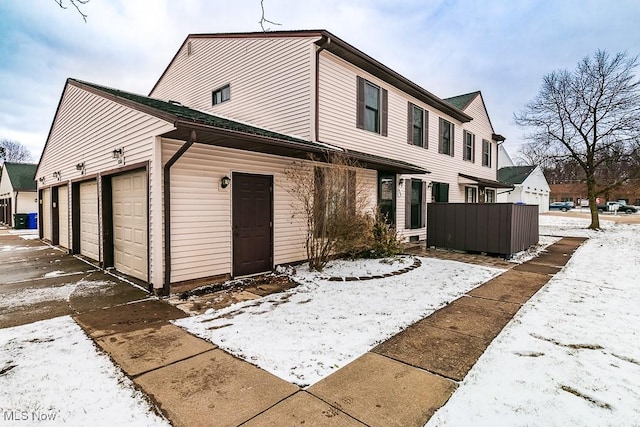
(515, 174)
(21, 176)
(462, 101)
(216, 130)
(329, 42)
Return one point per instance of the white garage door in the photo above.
(89, 220)
(63, 216)
(46, 214)
(130, 223)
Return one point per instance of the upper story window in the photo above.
(372, 107)
(446, 143)
(486, 153)
(221, 95)
(417, 126)
(469, 152)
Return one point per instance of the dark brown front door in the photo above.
(252, 223)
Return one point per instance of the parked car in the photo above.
(560, 206)
(628, 209)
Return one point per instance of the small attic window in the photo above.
(189, 48)
(221, 95)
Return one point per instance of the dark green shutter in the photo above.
(384, 118)
(410, 124)
(360, 103)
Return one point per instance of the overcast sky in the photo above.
(449, 47)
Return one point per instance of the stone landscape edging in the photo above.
(416, 263)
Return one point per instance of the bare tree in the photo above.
(590, 115)
(264, 20)
(76, 4)
(14, 152)
(332, 200)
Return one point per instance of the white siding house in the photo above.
(530, 186)
(188, 183)
(17, 191)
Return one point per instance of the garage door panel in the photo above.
(46, 214)
(63, 217)
(129, 200)
(89, 220)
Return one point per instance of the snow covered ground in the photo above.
(571, 356)
(305, 334)
(52, 374)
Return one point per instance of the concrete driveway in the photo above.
(40, 282)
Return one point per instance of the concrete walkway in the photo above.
(401, 382)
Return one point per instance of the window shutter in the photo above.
(425, 128)
(407, 203)
(473, 149)
(423, 205)
(360, 103)
(453, 139)
(441, 136)
(443, 190)
(410, 124)
(385, 112)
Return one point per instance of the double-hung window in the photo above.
(470, 194)
(221, 95)
(372, 107)
(490, 196)
(417, 126)
(335, 197)
(469, 152)
(486, 153)
(415, 198)
(446, 142)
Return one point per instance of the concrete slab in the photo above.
(38, 265)
(379, 391)
(448, 353)
(213, 388)
(146, 349)
(126, 318)
(303, 409)
(33, 312)
(481, 320)
(554, 259)
(533, 267)
(511, 286)
(113, 292)
(506, 307)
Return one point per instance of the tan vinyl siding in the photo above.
(88, 128)
(201, 211)
(271, 81)
(337, 120)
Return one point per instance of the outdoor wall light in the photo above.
(117, 153)
(225, 181)
(41, 179)
(80, 166)
(57, 175)
(400, 182)
(430, 184)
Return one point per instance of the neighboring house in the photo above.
(531, 186)
(188, 183)
(17, 191)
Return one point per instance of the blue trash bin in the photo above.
(32, 221)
